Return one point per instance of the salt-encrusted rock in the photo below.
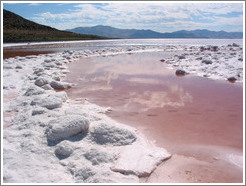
(56, 78)
(202, 48)
(112, 177)
(37, 70)
(214, 48)
(41, 74)
(106, 134)
(82, 174)
(140, 160)
(232, 79)
(62, 95)
(207, 61)
(38, 111)
(31, 77)
(7, 66)
(66, 126)
(47, 87)
(180, 72)
(19, 67)
(34, 90)
(50, 102)
(85, 173)
(235, 45)
(97, 157)
(40, 81)
(47, 60)
(58, 63)
(63, 150)
(181, 57)
(50, 65)
(60, 85)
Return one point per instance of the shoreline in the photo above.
(58, 70)
(102, 40)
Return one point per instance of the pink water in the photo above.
(174, 111)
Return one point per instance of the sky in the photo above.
(160, 16)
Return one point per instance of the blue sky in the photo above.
(158, 16)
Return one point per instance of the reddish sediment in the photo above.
(8, 53)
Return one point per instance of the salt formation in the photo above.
(66, 126)
(215, 62)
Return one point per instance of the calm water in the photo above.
(171, 109)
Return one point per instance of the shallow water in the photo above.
(169, 109)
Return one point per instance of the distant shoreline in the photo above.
(13, 44)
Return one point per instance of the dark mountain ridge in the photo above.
(19, 29)
(108, 31)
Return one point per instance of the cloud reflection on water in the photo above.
(138, 81)
(175, 96)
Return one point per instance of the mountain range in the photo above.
(19, 29)
(111, 32)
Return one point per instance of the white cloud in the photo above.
(34, 4)
(146, 15)
(229, 20)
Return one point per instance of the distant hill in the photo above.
(211, 34)
(115, 32)
(18, 29)
(108, 31)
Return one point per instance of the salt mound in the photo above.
(34, 90)
(37, 111)
(60, 85)
(63, 150)
(40, 81)
(66, 126)
(108, 134)
(97, 156)
(47, 87)
(140, 160)
(86, 173)
(50, 101)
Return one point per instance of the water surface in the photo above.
(172, 110)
